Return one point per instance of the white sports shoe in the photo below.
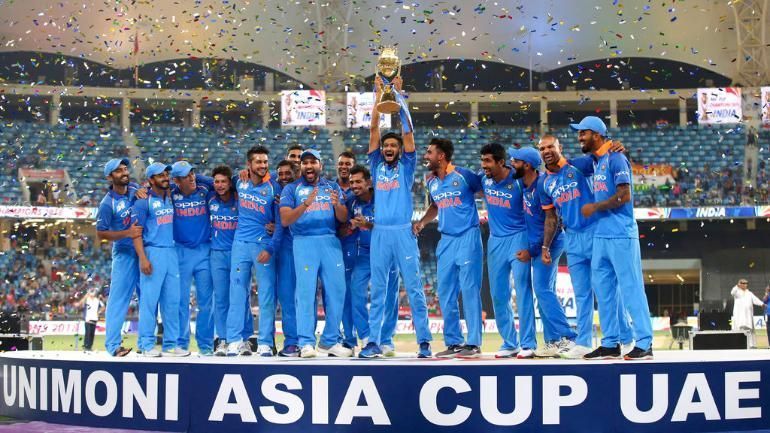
(337, 350)
(526, 354)
(264, 350)
(152, 353)
(232, 348)
(565, 345)
(388, 351)
(576, 352)
(176, 352)
(507, 353)
(244, 348)
(308, 351)
(549, 350)
(221, 349)
(625, 349)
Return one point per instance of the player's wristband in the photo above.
(545, 248)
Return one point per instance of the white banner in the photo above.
(303, 107)
(61, 327)
(70, 213)
(765, 105)
(359, 111)
(719, 105)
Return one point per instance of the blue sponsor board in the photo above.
(386, 396)
(712, 212)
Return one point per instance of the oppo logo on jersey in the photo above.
(498, 198)
(224, 217)
(251, 197)
(565, 193)
(190, 208)
(447, 199)
(164, 216)
(600, 177)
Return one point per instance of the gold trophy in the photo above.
(388, 67)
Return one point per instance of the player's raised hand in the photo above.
(398, 83)
(243, 175)
(335, 197)
(311, 197)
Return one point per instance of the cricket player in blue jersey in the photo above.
(616, 254)
(392, 163)
(567, 187)
(254, 247)
(312, 209)
(460, 254)
(345, 161)
(360, 223)
(159, 265)
(292, 155)
(223, 209)
(113, 223)
(286, 282)
(557, 333)
(503, 195)
(192, 234)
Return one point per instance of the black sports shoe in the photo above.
(602, 352)
(638, 354)
(121, 352)
(451, 351)
(470, 352)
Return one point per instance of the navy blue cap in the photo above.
(113, 165)
(530, 155)
(310, 152)
(156, 168)
(591, 123)
(181, 169)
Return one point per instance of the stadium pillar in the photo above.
(543, 116)
(195, 120)
(265, 114)
(474, 115)
(613, 113)
(55, 111)
(125, 116)
(682, 113)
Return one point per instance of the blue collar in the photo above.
(111, 192)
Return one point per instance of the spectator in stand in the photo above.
(41, 200)
(93, 307)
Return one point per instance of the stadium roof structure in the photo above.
(321, 42)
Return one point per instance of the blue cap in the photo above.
(310, 152)
(156, 168)
(530, 155)
(181, 169)
(591, 123)
(113, 165)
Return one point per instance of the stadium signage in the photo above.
(348, 396)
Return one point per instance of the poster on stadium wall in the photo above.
(765, 105)
(652, 175)
(719, 105)
(359, 111)
(70, 213)
(40, 174)
(303, 108)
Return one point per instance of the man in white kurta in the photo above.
(743, 308)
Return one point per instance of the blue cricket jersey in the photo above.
(224, 222)
(358, 207)
(347, 195)
(114, 215)
(454, 197)
(318, 219)
(504, 205)
(155, 214)
(257, 207)
(192, 224)
(534, 216)
(566, 191)
(610, 170)
(393, 188)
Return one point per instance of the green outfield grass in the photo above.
(404, 343)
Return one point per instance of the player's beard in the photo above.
(518, 173)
